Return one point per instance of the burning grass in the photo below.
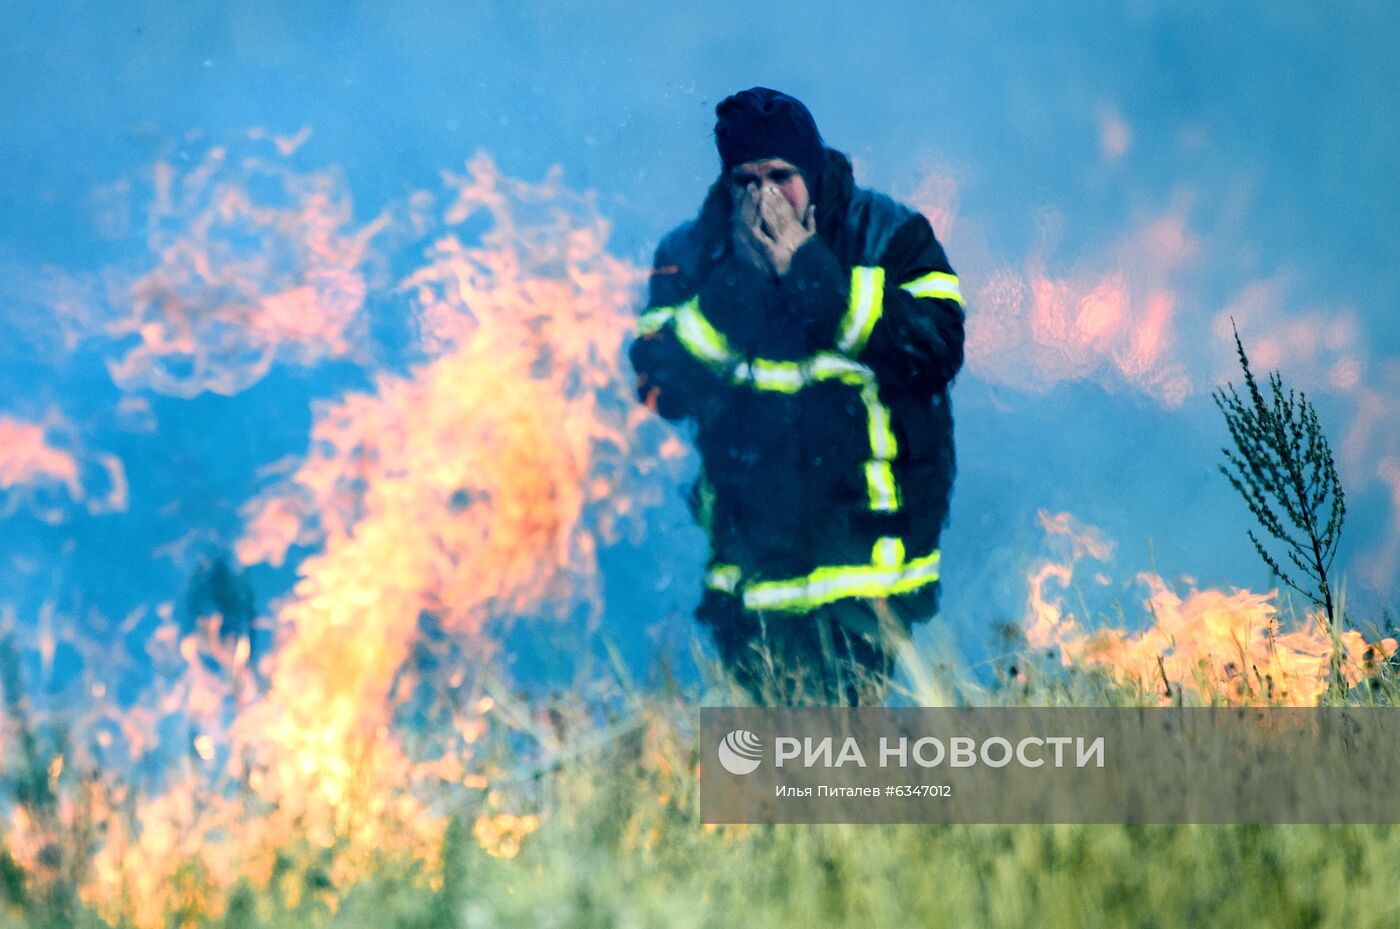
(583, 810)
(370, 771)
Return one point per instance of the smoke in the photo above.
(1112, 189)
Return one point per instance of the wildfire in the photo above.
(1207, 644)
(472, 488)
(457, 492)
(1136, 314)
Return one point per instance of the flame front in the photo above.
(1208, 644)
(473, 488)
(470, 486)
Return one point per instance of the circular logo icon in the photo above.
(740, 752)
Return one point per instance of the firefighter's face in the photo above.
(775, 172)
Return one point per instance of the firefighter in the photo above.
(810, 329)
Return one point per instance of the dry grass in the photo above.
(616, 841)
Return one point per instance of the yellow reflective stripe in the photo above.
(883, 444)
(862, 310)
(708, 344)
(935, 284)
(697, 334)
(723, 577)
(764, 374)
(879, 482)
(792, 376)
(888, 550)
(916, 575)
(828, 584)
(699, 337)
(655, 319)
(829, 366)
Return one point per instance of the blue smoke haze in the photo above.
(1277, 120)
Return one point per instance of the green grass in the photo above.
(619, 844)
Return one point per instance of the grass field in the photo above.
(594, 821)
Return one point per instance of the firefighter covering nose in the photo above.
(811, 329)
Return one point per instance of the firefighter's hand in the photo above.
(783, 231)
(767, 231)
(747, 235)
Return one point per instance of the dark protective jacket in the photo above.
(820, 399)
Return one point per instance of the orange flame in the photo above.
(240, 282)
(475, 487)
(1111, 318)
(1207, 644)
(1117, 318)
(1114, 325)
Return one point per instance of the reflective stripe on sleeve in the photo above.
(938, 284)
(655, 319)
(707, 344)
(700, 337)
(863, 309)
